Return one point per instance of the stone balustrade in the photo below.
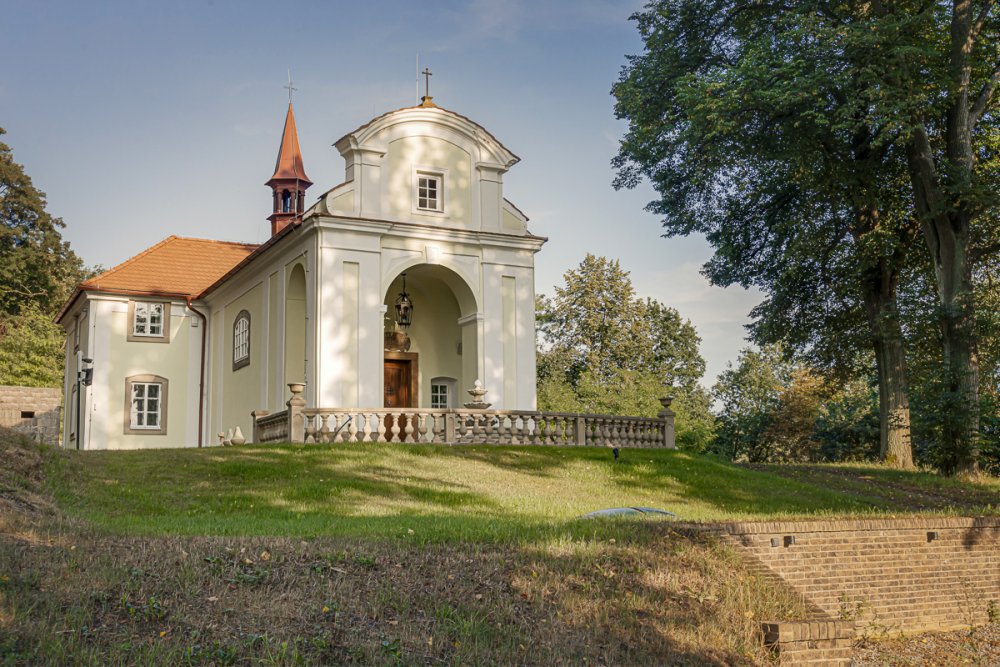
(460, 426)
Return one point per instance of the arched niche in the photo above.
(295, 325)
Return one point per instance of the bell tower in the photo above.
(289, 182)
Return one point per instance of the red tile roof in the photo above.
(175, 266)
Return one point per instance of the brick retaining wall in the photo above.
(912, 574)
(32, 410)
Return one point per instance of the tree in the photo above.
(595, 322)
(768, 127)
(945, 84)
(847, 428)
(603, 350)
(31, 349)
(748, 394)
(36, 265)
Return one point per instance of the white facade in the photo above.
(423, 195)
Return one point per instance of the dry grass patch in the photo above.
(87, 598)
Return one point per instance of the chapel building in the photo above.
(400, 287)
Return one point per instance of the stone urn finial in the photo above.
(665, 401)
(478, 395)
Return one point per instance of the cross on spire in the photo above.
(427, 82)
(290, 87)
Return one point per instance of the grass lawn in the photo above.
(469, 493)
(404, 555)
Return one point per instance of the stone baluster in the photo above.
(542, 424)
(394, 429)
(531, 426)
(334, 432)
(310, 428)
(323, 432)
(380, 425)
(352, 427)
(410, 427)
(366, 430)
(477, 427)
(514, 429)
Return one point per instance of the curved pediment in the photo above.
(428, 120)
(429, 166)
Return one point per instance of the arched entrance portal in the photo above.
(429, 363)
(295, 326)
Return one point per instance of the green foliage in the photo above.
(38, 272)
(594, 322)
(694, 424)
(760, 127)
(815, 144)
(748, 395)
(777, 411)
(31, 349)
(847, 428)
(36, 265)
(602, 350)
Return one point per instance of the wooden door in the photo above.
(398, 393)
(398, 380)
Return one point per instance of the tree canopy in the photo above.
(38, 272)
(603, 350)
(36, 265)
(785, 133)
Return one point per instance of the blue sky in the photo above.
(144, 119)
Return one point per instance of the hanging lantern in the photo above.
(404, 307)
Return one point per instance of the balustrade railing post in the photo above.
(296, 420)
(580, 431)
(449, 428)
(255, 415)
(666, 416)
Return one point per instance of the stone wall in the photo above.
(873, 576)
(909, 575)
(32, 410)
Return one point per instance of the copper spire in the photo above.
(289, 164)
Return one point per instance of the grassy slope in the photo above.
(439, 493)
(496, 570)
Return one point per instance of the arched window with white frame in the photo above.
(241, 340)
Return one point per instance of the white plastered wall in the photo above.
(116, 358)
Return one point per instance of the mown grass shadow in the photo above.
(728, 488)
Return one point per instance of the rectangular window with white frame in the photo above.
(146, 405)
(149, 321)
(442, 393)
(429, 191)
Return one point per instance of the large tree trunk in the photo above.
(943, 202)
(890, 361)
(947, 233)
(960, 425)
